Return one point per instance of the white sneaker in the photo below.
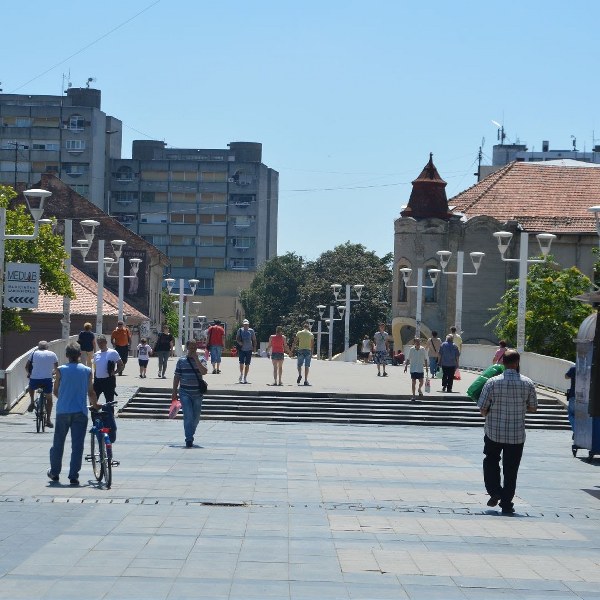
(246, 381)
(240, 379)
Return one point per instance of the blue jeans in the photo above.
(191, 404)
(77, 423)
(433, 365)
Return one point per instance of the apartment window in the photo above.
(45, 146)
(76, 123)
(243, 243)
(124, 174)
(157, 240)
(184, 175)
(76, 169)
(82, 190)
(155, 176)
(183, 261)
(243, 222)
(211, 219)
(212, 262)
(23, 122)
(241, 264)
(242, 199)
(125, 197)
(187, 218)
(211, 240)
(153, 218)
(11, 145)
(213, 176)
(75, 145)
(213, 198)
(183, 197)
(206, 283)
(182, 240)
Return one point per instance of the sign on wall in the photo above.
(21, 285)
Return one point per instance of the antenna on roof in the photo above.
(501, 134)
(479, 158)
(66, 82)
(89, 80)
(574, 141)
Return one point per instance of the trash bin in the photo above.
(586, 434)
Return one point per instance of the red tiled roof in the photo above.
(540, 196)
(85, 302)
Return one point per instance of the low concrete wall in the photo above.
(15, 378)
(544, 370)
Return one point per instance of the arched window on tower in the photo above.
(402, 290)
(430, 293)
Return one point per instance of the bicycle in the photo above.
(101, 454)
(40, 411)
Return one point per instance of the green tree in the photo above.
(274, 293)
(47, 250)
(553, 317)
(287, 290)
(169, 311)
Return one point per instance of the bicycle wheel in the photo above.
(96, 456)
(106, 464)
(40, 414)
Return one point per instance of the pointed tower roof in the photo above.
(428, 197)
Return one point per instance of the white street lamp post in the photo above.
(336, 287)
(545, 241)
(193, 285)
(329, 322)
(476, 258)
(117, 246)
(35, 202)
(433, 274)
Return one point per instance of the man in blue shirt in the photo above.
(72, 386)
(246, 340)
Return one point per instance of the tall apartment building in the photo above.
(210, 211)
(67, 135)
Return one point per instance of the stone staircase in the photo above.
(300, 407)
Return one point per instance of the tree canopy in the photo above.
(287, 290)
(553, 317)
(47, 251)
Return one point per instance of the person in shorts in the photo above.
(40, 367)
(246, 340)
(144, 352)
(87, 342)
(277, 347)
(417, 360)
(121, 340)
(304, 341)
(215, 339)
(382, 349)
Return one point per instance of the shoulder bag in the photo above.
(202, 385)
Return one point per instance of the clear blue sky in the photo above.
(348, 98)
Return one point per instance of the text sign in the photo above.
(21, 285)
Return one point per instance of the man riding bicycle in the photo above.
(40, 367)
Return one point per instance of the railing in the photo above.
(15, 376)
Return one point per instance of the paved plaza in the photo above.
(296, 511)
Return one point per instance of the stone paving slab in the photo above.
(296, 511)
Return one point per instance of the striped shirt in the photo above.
(187, 374)
(507, 397)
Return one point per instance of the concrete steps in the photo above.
(447, 410)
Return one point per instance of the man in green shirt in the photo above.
(304, 341)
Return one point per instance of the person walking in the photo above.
(504, 402)
(449, 356)
(144, 352)
(163, 348)
(189, 370)
(40, 366)
(498, 357)
(366, 349)
(215, 339)
(381, 349)
(456, 338)
(246, 339)
(106, 362)
(277, 347)
(73, 388)
(87, 342)
(304, 341)
(433, 350)
(417, 360)
(121, 341)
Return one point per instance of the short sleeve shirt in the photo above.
(216, 335)
(186, 371)
(305, 339)
(43, 362)
(380, 340)
(101, 362)
(246, 335)
(507, 397)
(417, 359)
